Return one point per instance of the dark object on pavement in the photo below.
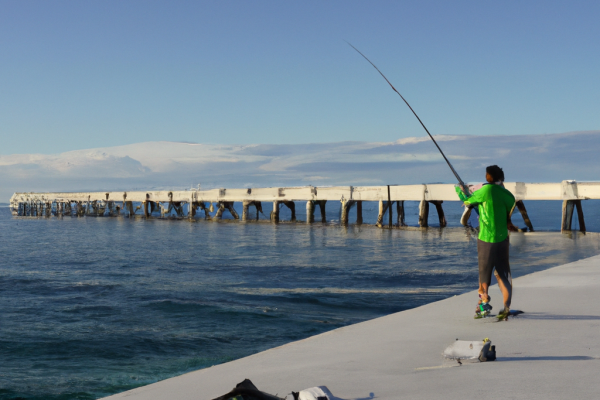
(247, 391)
(488, 353)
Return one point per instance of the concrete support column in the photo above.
(440, 211)
(101, 209)
(383, 207)
(519, 204)
(113, 208)
(310, 212)
(400, 212)
(129, 208)
(203, 207)
(322, 208)
(567, 215)
(275, 212)
(178, 207)
(345, 210)
(245, 205)
(220, 209)
(359, 216)
(424, 214)
(390, 203)
(580, 215)
(226, 205)
(258, 206)
(292, 206)
(192, 206)
(229, 206)
(145, 207)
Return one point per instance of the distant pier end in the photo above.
(192, 203)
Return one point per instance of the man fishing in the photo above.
(495, 204)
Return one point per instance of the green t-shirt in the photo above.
(494, 203)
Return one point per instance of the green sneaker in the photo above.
(503, 315)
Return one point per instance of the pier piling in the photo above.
(400, 212)
(521, 206)
(322, 208)
(440, 211)
(359, 214)
(310, 211)
(424, 214)
(292, 206)
(383, 207)
(275, 212)
(345, 210)
(567, 215)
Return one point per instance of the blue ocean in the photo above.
(93, 306)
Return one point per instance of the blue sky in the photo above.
(78, 75)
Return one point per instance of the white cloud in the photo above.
(529, 158)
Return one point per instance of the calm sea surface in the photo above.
(94, 306)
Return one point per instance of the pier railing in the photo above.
(166, 202)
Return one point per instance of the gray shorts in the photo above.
(493, 256)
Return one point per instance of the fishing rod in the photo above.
(460, 181)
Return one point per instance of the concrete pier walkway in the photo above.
(550, 352)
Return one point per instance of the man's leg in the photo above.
(505, 285)
(483, 292)
(502, 272)
(486, 266)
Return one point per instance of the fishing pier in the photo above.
(211, 204)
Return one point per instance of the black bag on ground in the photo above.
(247, 391)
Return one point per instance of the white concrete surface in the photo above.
(550, 352)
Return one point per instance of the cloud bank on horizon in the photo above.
(176, 165)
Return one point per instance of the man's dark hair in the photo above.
(496, 173)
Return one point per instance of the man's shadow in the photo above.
(546, 358)
(557, 317)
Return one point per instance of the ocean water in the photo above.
(94, 306)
